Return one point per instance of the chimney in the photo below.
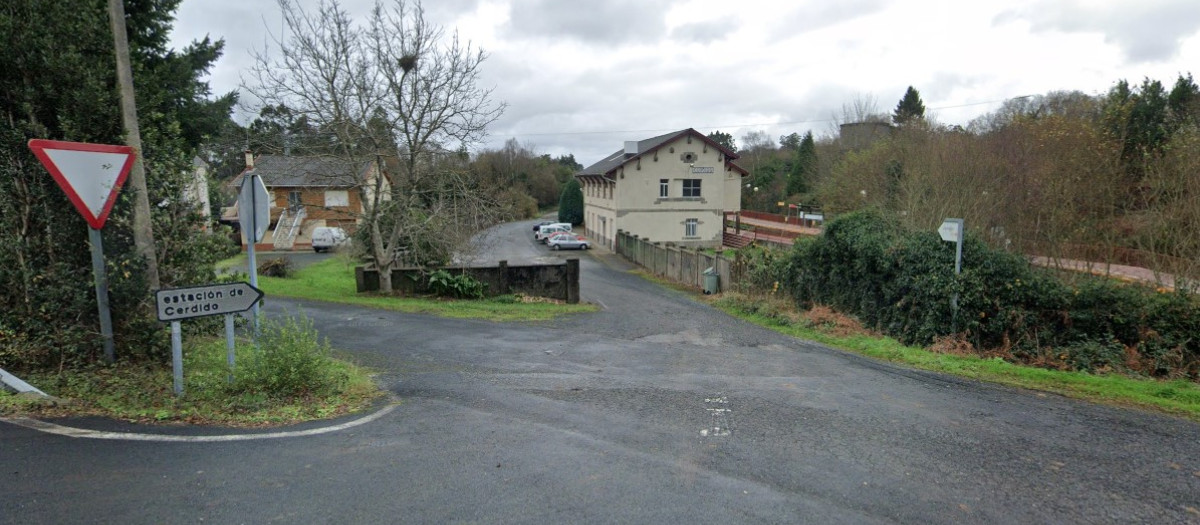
(249, 160)
(631, 148)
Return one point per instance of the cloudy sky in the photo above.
(582, 77)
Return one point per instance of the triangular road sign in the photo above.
(90, 174)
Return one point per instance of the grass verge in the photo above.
(145, 393)
(332, 280)
(1178, 397)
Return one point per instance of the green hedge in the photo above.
(900, 282)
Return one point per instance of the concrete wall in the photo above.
(676, 263)
(553, 281)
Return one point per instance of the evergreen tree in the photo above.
(724, 139)
(910, 108)
(1138, 118)
(60, 83)
(570, 205)
(804, 166)
(1184, 102)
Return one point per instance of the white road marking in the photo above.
(52, 428)
(720, 417)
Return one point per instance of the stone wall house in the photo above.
(307, 193)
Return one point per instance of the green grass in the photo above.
(145, 393)
(332, 280)
(236, 263)
(1178, 397)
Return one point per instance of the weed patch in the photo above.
(288, 377)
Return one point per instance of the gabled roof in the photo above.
(306, 172)
(606, 167)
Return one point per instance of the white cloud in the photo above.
(581, 77)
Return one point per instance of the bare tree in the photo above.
(399, 95)
(864, 108)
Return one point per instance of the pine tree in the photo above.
(803, 166)
(724, 139)
(910, 108)
(570, 205)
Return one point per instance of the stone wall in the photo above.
(553, 281)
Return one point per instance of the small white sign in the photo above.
(951, 230)
(200, 301)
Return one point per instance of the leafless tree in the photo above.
(401, 95)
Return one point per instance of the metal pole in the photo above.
(101, 276)
(177, 357)
(229, 343)
(957, 271)
(252, 239)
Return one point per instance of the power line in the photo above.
(737, 126)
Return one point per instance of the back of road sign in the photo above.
(254, 208)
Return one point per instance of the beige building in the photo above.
(671, 188)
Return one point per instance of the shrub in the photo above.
(277, 267)
(290, 361)
(570, 205)
(900, 283)
(463, 286)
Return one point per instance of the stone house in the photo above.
(307, 193)
(670, 188)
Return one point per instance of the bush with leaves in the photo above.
(462, 286)
(291, 361)
(900, 282)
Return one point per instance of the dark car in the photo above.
(540, 224)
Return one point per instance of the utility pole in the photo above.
(143, 234)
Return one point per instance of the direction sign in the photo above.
(90, 174)
(211, 299)
(254, 208)
(951, 230)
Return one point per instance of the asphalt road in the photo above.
(655, 410)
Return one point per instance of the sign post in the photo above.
(176, 304)
(91, 175)
(951, 230)
(254, 216)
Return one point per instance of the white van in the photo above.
(550, 229)
(326, 238)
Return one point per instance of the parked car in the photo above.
(326, 238)
(549, 224)
(550, 229)
(567, 241)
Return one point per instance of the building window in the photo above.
(691, 187)
(689, 227)
(294, 200)
(663, 188)
(337, 198)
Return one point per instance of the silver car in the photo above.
(567, 241)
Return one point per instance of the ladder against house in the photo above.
(287, 228)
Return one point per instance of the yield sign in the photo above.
(90, 174)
